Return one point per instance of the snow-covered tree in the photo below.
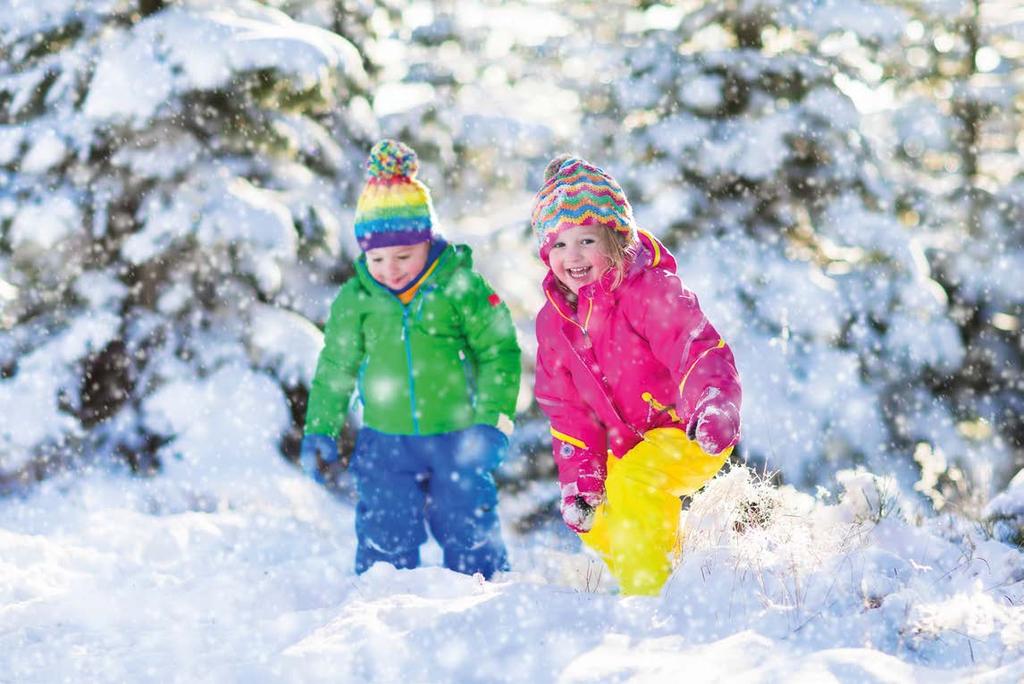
(953, 80)
(738, 147)
(172, 177)
(476, 93)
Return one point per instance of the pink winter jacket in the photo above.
(626, 361)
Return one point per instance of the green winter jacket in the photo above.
(446, 360)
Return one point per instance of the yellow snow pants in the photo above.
(636, 529)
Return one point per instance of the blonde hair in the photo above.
(619, 252)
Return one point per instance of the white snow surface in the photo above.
(240, 569)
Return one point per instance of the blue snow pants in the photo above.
(404, 481)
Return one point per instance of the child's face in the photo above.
(579, 256)
(395, 267)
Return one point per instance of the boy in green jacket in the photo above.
(432, 352)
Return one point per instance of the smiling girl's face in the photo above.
(395, 267)
(579, 256)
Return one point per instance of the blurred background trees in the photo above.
(174, 179)
(840, 181)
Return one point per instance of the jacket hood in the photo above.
(651, 254)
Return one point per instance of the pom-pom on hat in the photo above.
(394, 208)
(577, 193)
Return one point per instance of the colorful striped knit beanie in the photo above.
(394, 208)
(577, 193)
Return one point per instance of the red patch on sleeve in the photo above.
(494, 299)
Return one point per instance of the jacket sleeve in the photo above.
(578, 439)
(684, 340)
(491, 338)
(338, 365)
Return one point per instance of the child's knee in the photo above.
(467, 493)
(697, 470)
(463, 524)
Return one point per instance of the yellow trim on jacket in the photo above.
(407, 296)
(575, 322)
(567, 439)
(657, 248)
(721, 343)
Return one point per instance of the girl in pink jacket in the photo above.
(642, 392)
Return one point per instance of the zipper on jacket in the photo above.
(601, 381)
(469, 374)
(406, 337)
(573, 319)
(361, 381)
(585, 327)
(419, 299)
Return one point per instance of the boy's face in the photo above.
(579, 256)
(395, 267)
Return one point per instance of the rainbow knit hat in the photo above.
(394, 208)
(577, 193)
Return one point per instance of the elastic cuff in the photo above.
(506, 425)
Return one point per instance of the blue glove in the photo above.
(482, 446)
(317, 448)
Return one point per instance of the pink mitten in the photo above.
(579, 501)
(714, 423)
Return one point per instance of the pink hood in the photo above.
(625, 361)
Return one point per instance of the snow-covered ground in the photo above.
(110, 579)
